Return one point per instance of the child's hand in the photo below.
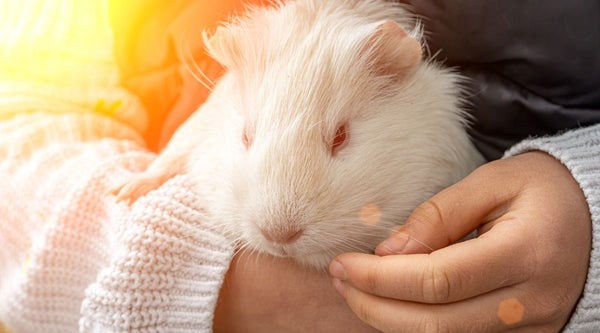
(525, 270)
(267, 294)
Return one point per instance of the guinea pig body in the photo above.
(326, 131)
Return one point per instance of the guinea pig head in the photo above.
(317, 171)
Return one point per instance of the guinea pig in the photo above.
(327, 129)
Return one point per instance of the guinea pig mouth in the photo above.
(280, 250)
(289, 251)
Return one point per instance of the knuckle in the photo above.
(372, 278)
(362, 311)
(553, 309)
(548, 306)
(428, 213)
(547, 313)
(498, 168)
(433, 324)
(552, 314)
(431, 216)
(435, 284)
(485, 169)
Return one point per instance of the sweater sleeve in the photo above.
(72, 259)
(166, 269)
(579, 151)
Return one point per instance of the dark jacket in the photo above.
(535, 64)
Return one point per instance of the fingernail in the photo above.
(339, 286)
(393, 245)
(336, 270)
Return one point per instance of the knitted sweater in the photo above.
(71, 259)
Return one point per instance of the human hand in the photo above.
(267, 294)
(525, 271)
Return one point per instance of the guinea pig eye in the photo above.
(340, 139)
(246, 138)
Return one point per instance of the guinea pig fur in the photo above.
(328, 128)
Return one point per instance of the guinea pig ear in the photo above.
(222, 46)
(394, 53)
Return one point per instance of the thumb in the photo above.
(453, 213)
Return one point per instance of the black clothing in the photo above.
(535, 64)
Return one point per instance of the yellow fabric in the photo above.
(153, 41)
(57, 56)
(66, 42)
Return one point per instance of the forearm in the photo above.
(267, 294)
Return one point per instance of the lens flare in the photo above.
(510, 311)
(370, 214)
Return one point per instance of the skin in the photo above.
(267, 294)
(527, 209)
(514, 277)
(524, 273)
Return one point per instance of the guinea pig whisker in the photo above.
(185, 51)
(314, 124)
(195, 70)
(246, 249)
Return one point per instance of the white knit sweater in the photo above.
(71, 259)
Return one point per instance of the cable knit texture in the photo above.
(579, 151)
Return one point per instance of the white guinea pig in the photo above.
(326, 131)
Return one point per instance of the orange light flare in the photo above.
(370, 214)
(42, 37)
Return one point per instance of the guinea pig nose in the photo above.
(282, 237)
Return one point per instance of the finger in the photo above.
(454, 212)
(501, 310)
(141, 184)
(137, 188)
(457, 272)
(114, 190)
(128, 193)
